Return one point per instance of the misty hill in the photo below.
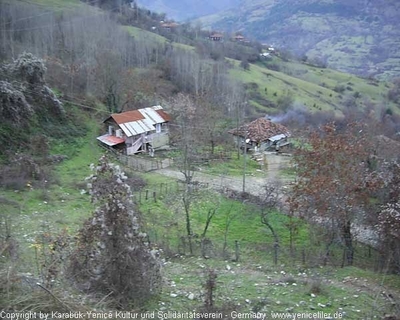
(188, 9)
(155, 65)
(357, 36)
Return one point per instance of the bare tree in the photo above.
(184, 109)
(388, 220)
(334, 182)
(269, 202)
(229, 217)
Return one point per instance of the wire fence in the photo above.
(143, 164)
(157, 191)
(140, 163)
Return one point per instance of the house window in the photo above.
(118, 133)
(110, 130)
(158, 127)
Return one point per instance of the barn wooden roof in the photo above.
(260, 130)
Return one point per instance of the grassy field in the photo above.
(259, 288)
(57, 4)
(143, 34)
(233, 166)
(59, 203)
(253, 283)
(311, 87)
(154, 37)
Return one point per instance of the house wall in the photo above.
(240, 142)
(158, 140)
(113, 124)
(130, 140)
(265, 145)
(134, 143)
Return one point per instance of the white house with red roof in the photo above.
(135, 131)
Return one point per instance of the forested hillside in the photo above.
(183, 10)
(225, 228)
(359, 37)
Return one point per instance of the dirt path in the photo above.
(253, 185)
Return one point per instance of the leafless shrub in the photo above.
(21, 291)
(135, 181)
(51, 252)
(209, 306)
(29, 72)
(288, 279)
(315, 286)
(23, 171)
(13, 104)
(8, 244)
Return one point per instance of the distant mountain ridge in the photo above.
(188, 9)
(357, 36)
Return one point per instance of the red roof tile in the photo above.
(260, 130)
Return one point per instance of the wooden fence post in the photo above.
(276, 251)
(155, 196)
(237, 253)
(147, 194)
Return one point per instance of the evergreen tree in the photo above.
(113, 256)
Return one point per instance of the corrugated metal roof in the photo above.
(132, 128)
(136, 127)
(151, 115)
(140, 121)
(277, 137)
(126, 130)
(110, 140)
(127, 116)
(164, 115)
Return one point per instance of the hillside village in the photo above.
(189, 173)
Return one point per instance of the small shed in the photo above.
(261, 135)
